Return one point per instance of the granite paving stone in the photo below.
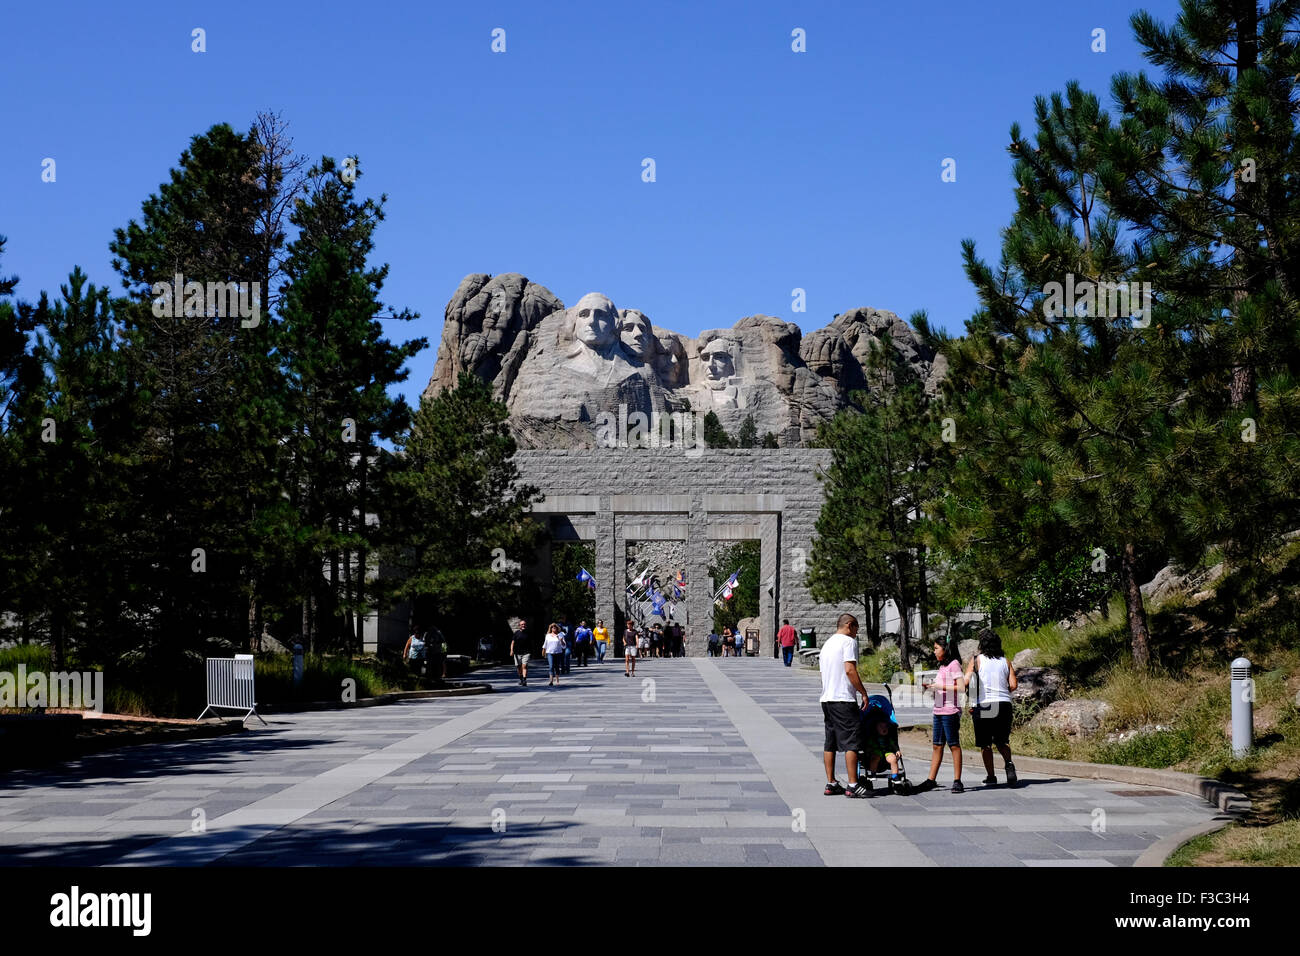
(721, 768)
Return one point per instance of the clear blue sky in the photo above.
(775, 169)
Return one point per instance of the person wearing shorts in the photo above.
(946, 729)
(881, 745)
(838, 662)
(629, 651)
(519, 648)
(995, 679)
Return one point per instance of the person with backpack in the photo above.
(715, 644)
(995, 679)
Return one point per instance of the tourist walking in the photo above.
(786, 637)
(643, 642)
(679, 640)
(946, 730)
(715, 644)
(519, 650)
(553, 648)
(415, 652)
(629, 651)
(839, 671)
(995, 679)
(582, 643)
(602, 640)
(567, 634)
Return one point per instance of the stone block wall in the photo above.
(770, 494)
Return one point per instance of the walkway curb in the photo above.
(1224, 796)
(1232, 803)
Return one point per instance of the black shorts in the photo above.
(993, 724)
(843, 720)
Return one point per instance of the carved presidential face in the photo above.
(719, 360)
(637, 334)
(594, 321)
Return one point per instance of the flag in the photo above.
(657, 601)
(726, 593)
(586, 578)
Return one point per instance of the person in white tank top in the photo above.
(994, 680)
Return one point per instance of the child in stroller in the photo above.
(880, 745)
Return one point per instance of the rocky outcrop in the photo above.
(561, 371)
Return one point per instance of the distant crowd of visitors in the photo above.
(561, 645)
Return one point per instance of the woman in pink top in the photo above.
(947, 714)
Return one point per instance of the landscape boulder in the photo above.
(1025, 658)
(1039, 684)
(1077, 717)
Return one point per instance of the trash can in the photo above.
(751, 641)
(807, 638)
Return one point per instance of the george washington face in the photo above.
(594, 321)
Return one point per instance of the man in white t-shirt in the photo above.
(838, 662)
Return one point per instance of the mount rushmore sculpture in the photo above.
(558, 370)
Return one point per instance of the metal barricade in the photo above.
(230, 686)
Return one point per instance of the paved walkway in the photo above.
(709, 761)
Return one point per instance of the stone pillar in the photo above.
(698, 595)
(609, 577)
(769, 577)
(619, 544)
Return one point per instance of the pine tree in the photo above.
(715, 436)
(1202, 166)
(458, 524)
(747, 437)
(20, 380)
(210, 412)
(1065, 412)
(75, 429)
(339, 367)
(871, 534)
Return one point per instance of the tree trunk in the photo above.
(250, 640)
(1137, 615)
(923, 593)
(904, 615)
(872, 604)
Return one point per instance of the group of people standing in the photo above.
(993, 678)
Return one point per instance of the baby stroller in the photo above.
(877, 708)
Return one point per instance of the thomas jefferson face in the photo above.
(595, 321)
(636, 334)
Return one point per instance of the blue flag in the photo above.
(586, 578)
